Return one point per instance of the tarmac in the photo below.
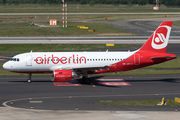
(8, 113)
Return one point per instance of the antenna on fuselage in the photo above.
(31, 51)
(107, 50)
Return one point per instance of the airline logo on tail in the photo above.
(161, 37)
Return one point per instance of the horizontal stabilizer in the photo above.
(162, 57)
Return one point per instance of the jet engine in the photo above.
(64, 75)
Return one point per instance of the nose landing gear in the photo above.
(29, 78)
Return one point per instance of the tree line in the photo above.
(139, 2)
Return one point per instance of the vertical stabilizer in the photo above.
(159, 39)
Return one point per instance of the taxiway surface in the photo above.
(43, 94)
(143, 27)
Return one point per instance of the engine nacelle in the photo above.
(63, 75)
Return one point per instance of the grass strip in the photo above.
(8, 73)
(85, 18)
(22, 48)
(17, 25)
(143, 72)
(139, 103)
(37, 8)
(27, 30)
(172, 64)
(176, 23)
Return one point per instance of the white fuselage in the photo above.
(50, 61)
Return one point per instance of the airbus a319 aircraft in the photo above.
(70, 65)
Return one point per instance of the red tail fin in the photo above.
(159, 39)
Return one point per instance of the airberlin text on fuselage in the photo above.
(64, 60)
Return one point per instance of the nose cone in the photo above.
(6, 66)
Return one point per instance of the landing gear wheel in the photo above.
(29, 81)
(86, 80)
(29, 78)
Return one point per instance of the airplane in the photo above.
(66, 66)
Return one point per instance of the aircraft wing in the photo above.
(79, 68)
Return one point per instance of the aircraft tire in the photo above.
(29, 81)
(86, 80)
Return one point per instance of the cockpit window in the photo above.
(15, 59)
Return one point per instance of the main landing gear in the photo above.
(86, 80)
(85, 77)
(29, 78)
